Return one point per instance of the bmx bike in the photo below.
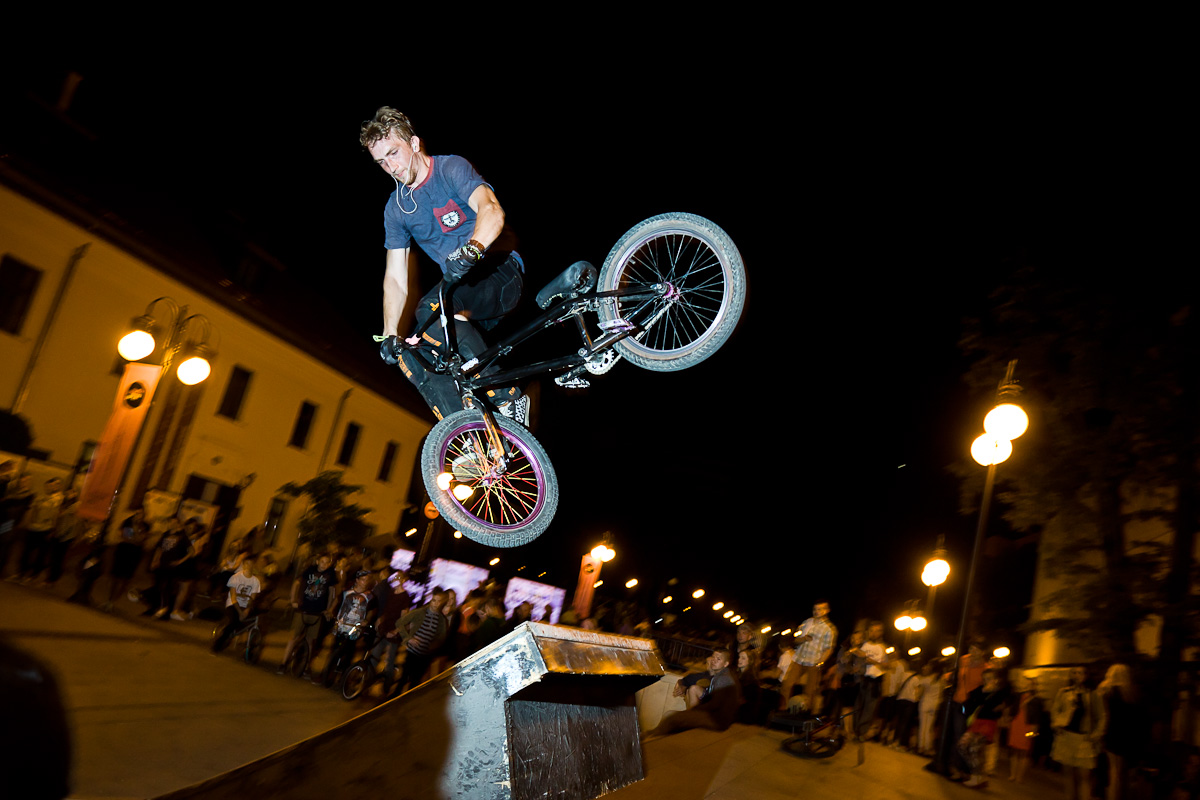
(302, 653)
(255, 633)
(667, 296)
(814, 736)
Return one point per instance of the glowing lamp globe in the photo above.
(444, 479)
(135, 345)
(603, 553)
(935, 573)
(903, 623)
(462, 492)
(1006, 421)
(914, 651)
(194, 370)
(1002, 652)
(918, 624)
(990, 449)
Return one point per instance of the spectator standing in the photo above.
(127, 555)
(1123, 735)
(1079, 725)
(907, 695)
(422, 632)
(930, 687)
(173, 549)
(393, 602)
(314, 595)
(40, 520)
(66, 528)
(814, 647)
(1024, 728)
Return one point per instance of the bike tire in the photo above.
(354, 681)
(816, 747)
(704, 268)
(254, 646)
(502, 511)
(298, 660)
(219, 645)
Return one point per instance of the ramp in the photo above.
(546, 711)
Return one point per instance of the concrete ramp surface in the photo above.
(546, 711)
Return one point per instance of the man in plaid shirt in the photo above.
(814, 646)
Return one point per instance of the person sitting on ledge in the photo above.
(713, 698)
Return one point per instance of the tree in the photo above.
(1109, 462)
(329, 518)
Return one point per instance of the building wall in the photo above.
(71, 391)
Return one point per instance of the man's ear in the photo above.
(415, 143)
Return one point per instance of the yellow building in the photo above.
(269, 413)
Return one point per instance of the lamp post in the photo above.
(1002, 424)
(935, 574)
(135, 399)
(589, 574)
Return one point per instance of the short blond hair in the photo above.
(386, 120)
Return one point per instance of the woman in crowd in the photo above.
(1023, 730)
(985, 706)
(1079, 722)
(1122, 735)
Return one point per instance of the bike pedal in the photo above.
(609, 325)
(575, 382)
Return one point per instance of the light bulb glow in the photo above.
(194, 370)
(135, 345)
(444, 479)
(462, 492)
(903, 623)
(936, 572)
(918, 624)
(1007, 421)
(1001, 652)
(989, 449)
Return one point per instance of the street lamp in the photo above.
(589, 576)
(988, 450)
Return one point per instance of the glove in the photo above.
(459, 263)
(389, 350)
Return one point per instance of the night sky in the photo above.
(874, 207)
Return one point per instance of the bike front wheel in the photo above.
(816, 747)
(355, 681)
(705, 283)
(298, 661)
(254, 646)
(497, 499)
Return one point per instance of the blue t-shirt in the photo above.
(443, 221)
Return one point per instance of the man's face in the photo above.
(718, 661)
(821, 610)
(437, 602)
(876, 633)
(324, 562)
(395, 156)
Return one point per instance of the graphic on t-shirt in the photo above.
(354, 611)
(450, 216)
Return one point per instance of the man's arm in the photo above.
(395, 289)
(489, 216)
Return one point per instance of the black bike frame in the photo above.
(468, 377)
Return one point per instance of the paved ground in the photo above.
(153, 711)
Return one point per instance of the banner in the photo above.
(589, 573)
(120, 436)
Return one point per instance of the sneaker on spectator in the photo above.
(517, 410)
(175, 615)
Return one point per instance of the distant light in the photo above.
(914, 651)
(717, 606)
(890, 649)
(766, 629)
(786, 632)
(1001, 652)
(660, 619)
(918, 624)
(410, 531)
(936, 572)
(727, 614)
(462, 491)
(668, 599)
(458, 534)
(698, 594)
(689, 608)
(903, 623)
(597, 584)
(632, 582)
(948, 651)
(135, 345)
(494, 561)
(540, 574)
(603, 553)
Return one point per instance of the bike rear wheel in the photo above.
(706, 289)
(498, 507)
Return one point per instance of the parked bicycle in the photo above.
(254, 629)
(299, 661)
(813, 736)
(670, 294)
(341, 653)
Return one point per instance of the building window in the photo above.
(389, 458)
(18, 284)
(303, 426)
(349, 442)
(275, 514)
(235, 393)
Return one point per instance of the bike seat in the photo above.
(577, 279)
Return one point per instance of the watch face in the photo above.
(135, 394)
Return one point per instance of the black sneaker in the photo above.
(517, 410)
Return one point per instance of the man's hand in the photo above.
(389, 350)
(459, 263)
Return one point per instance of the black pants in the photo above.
(487, 294)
